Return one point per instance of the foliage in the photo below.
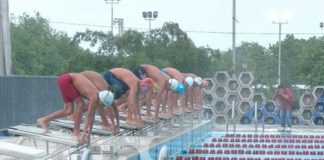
(40, 50)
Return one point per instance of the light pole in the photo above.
(112, 2)
(279, 50)
(150, 16)
(233, 37)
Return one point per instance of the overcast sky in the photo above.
(207, 22)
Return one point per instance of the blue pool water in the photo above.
(177, 145)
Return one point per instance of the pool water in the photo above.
(176, 146)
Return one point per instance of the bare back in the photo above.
(174, 73)
(155, 73)
(96, 79)
(83, 85)
(126, 76)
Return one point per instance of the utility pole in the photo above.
(112, 2)
(5, 44)
(233, 37)
(279, 50)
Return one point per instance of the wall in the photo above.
(25, 98)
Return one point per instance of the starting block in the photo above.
(19, 151)
(145, 120)
(122, 123)
(160, 116)
(96, 129)
(38, 133)
(143, 112)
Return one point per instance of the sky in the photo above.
(207, 22)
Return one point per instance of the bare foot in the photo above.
(151, 117)
(43, 124)
(122, 109)
(156, 119)
(164, 114)
(139, 124)
(131, 122)
(76, 136)
(170, 115)
(108, 128)
(83, 139)
(116, 129)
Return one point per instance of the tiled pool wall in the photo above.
(178, 144)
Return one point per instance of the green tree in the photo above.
(312, 64)
(37, 49)
(258, 60)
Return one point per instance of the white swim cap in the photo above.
(198, 80)
(189, 81)
(174, 84)
(106, 97)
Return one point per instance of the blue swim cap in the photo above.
(181, 88)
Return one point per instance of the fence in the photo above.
(25, 98)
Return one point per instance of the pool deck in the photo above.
(114, 147)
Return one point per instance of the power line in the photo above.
(195, 31)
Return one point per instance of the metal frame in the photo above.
(71, 147)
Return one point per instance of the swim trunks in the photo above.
(68, 91)
(119, 87)
(140, 73)
(163, 72)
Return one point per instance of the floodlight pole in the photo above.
(279, 51)
(150, 24)
(150, 16)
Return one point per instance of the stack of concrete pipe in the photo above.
(224, 91)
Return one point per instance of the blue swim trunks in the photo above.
(117, 86)
(140, 73)
(162, 71)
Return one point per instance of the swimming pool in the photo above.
(172, 147)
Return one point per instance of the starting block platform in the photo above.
(19, 151)
(143, 113)
(38, 133)
(65, 145)
(145, 120)
(96, 129)
(176, 113)
(122, 123)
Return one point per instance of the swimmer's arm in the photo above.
(89, 122)
(103, 116)
(114, 106)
